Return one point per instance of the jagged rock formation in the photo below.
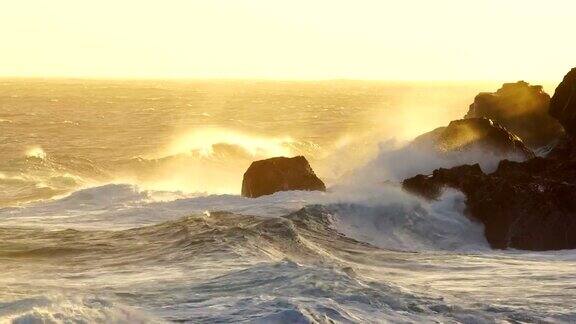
(268, 176)
(522, 109)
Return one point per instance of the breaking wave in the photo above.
(337, 261)
(386, 216)
(71, 309)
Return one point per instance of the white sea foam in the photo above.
(36, 152)
(70, 309)
(418, 226)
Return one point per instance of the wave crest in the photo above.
(67, 309)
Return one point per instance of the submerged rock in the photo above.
(475, 134)
(266, 177)
(563, 103)
(521, 108)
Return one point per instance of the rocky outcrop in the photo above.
(522, 109)
(479, 134)
(527, 205)
(266, 177)
(563, 103)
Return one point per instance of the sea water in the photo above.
(120, 204)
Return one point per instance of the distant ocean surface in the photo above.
(119, 203)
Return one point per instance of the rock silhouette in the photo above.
(268, 176)
(522, 109)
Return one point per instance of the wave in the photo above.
(335, 261)
(207, 160)
(396, 162)
(384, 216)
(366, 206)
(227, 268)
(419, 226)
(71, 309)
(213, 160)
(38, 175)
(206, 140)
(273, 292)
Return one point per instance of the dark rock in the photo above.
(479, 134)
(520, 108)
(431, 186)
(525, 205)
(563, 103)
(266, 177)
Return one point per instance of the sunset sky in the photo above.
(291, 39)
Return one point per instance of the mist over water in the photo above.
(120, 203)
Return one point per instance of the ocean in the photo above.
(120, 203)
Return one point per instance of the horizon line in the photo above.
(260, 79)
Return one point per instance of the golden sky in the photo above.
(290, 39)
